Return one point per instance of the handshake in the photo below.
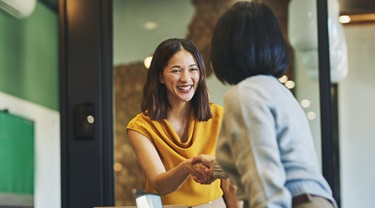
(206, 170)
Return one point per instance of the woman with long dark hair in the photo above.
(177, 126)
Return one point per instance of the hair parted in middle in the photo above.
(247, 41)
(154, 99)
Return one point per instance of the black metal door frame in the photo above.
(85, 50)
(328, 106)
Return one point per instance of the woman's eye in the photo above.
(175, 70)
(194, 69)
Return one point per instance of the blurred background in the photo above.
(29, 76)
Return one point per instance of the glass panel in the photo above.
(351, 47)
(356, 107)
(139, 26)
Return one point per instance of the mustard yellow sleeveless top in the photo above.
(202, 138)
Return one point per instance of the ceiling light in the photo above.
(344, 19)
(150, 25)
(290, 84)
(147, 61)
(311, 115)
(283, 79)
(305, 103)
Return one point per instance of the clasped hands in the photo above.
(203, 171)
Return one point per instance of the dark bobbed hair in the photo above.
(154, 101)
(247, 41)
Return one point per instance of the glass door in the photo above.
(139, 26)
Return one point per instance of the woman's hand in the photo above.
(207, 160)
(203, 165)
(203, 174)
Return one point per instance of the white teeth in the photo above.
(185, 88)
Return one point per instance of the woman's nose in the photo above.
(185, 76)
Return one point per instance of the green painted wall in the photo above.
(16, 155)
(29, 56)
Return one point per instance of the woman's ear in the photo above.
(161, 78)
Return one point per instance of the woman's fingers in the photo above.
(202, 171)
(202, 174)
(208, 180)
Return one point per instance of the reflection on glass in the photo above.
(305, 103)
(139, 26)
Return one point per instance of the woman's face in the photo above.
(180, 77)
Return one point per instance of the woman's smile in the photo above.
(185, 88)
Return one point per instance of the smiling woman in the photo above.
(138, 27)
(177, 123)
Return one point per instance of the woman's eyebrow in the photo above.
(175, 66)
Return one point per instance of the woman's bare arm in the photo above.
(163, 181)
